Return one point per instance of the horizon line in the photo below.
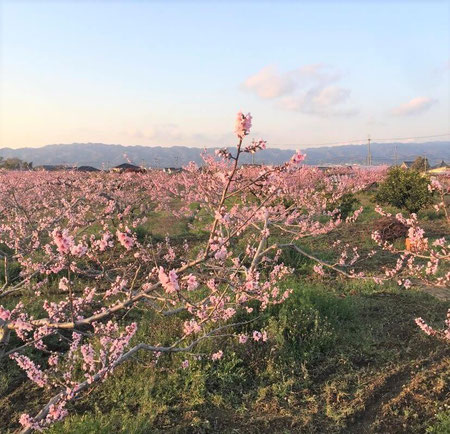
(273, 146)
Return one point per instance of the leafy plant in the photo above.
(405, 189)
(421, 164)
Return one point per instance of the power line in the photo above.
(418, 137)
(363, 140)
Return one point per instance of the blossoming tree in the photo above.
(79, 236)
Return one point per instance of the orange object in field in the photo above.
(408, 244)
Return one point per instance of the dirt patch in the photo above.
(427, 393)
(391, 387)
(440, 293)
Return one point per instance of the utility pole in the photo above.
(369, 155)
(396, 155)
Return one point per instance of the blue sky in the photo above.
(175, 73)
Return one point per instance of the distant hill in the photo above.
(101, 155)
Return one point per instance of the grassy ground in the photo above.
(342, 357)
(335, 363)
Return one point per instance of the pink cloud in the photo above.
(309, 89)
(415, 106)
(269, 83)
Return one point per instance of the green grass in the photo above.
(329, 352)
(442, 424)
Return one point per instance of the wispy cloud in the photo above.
(269, 83)
(310, 89)
(320, 101)
(414, 106)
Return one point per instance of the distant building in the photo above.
(323, 168)
(172, 169)
(420, 163)
(440, 168)
(250, 165)
(127, 167)
(336, 168)
(87, 169)
(406, 164)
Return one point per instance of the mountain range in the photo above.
(102, 155)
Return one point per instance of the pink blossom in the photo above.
(125, 239)
(223, 153)
(257, 335)
(191, 326)
(33, 371)
(298, 157)
(243, 124)
(88, 357)
(255, 146)
(56, 412)
(221, 253)
(319, 270)
(192, 282)
(63, 284)
(425, 327)
(28, 422)
(169, 282)
(53, 360)
(78, 250)
(265, 233)
(63, 241)
(243, 339)
(217, 356)
(5, 314)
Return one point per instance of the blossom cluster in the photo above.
(243, 124)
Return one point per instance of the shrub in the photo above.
(405, 189)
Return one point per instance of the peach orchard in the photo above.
(79, 234)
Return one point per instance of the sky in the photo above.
(168, 73)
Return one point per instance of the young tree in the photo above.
(405, 189)
(14, 164)
(421, 164)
